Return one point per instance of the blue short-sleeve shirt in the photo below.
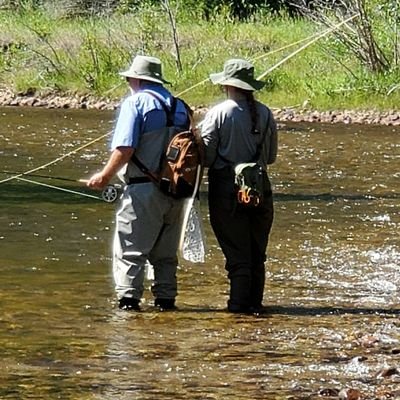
(141, 112)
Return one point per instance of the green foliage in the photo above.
(386, 23)
(20, 5)
(41, 51)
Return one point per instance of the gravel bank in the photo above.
(388, 118)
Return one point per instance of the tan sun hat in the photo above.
(145, 68)
(238, 73)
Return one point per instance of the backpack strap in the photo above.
(260, 145)
(170, 112)
(170, 122)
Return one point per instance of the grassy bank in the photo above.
(42, 52)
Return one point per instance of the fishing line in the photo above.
(285, 47)
(58, 188)
(255, 59)
(40, 176)
(109, 194)
(314, 37)
(306, 45)
(319, 36)
(57, 159)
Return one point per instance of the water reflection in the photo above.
(331, 294)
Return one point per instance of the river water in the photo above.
(332, 290)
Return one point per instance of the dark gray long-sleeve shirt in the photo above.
(226, 132)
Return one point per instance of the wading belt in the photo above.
(139, 179)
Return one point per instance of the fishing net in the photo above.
(192, 244)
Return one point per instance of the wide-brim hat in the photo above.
(238, 73)
(145, 68)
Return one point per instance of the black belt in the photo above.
(139, 179)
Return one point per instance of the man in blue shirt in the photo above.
(148, 222)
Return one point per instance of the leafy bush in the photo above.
(85, 53)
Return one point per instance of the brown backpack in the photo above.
(181, 163)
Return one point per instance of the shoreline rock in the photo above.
(289, 114)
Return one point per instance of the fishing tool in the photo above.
(244, 196)
(191, 243)
(109, 194)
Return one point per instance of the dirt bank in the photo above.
(7, 98)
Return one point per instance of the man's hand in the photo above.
(119, 157)
(98, 181)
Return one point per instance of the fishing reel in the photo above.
(111, 193)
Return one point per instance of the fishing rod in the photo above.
(58, 188)
(109, 194)
(59, 178)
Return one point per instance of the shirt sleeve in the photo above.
(209, 134)
(128, 126)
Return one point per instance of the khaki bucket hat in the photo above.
(145, 68)
(238, 73)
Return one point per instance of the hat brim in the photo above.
(130, 74)
(219, 79)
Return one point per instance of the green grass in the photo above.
(42, 52)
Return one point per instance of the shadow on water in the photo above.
(308, 311)
(332, 281)
(269, 310)
(333, 197)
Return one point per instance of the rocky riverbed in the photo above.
(296, 114)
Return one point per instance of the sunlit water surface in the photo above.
(331, 293)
